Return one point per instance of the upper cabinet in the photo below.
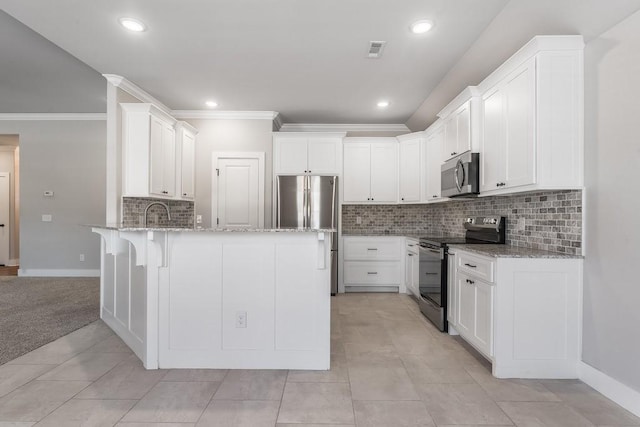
(186, 157)
(370, 170)
(532, 119)
(154, 158)
(411, 166)
(148, 145)
(307, 153)
(461, 124)
(432, 154)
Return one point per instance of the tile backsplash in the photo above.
(548, 220)
(182, 213)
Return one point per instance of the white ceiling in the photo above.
(303, 59)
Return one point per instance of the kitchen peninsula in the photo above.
(216, 298)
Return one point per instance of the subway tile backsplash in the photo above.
(182, 213)
(548, 220)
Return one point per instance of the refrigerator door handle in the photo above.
(278, 202)
(305, 202)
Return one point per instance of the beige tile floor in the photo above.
(390, 367)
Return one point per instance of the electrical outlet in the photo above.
(198, 219)
(47, 218)
(241, 319)
(81, 257)
(358, 220)
(522, 223)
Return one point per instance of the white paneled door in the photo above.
(239, 191)
(4, 218)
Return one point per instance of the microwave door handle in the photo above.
(455, 172)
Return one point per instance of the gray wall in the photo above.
(67, 157)
(7, 164)
(230, 135)
(611, 341)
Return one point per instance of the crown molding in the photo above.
(277, 122)
(53, 116)
(135, 90)
(225, 115)
(339, 127)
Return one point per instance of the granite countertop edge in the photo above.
(509, 251)
(213, 230)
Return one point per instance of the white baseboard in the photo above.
(34, 272)
(620, 393)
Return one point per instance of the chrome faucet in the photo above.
(146, 211)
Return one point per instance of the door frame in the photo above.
(256, 155)
(9, 221)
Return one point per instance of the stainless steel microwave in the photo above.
(461, 176)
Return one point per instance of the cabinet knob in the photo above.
(454, 153)
(309, 171)
(184, 194)
(471, 282)
(435, 195)
(403, 198)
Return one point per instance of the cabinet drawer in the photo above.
(480, 267)
(372, 273)
(372, 249)
(411, 245)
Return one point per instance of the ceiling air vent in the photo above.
(375, 49)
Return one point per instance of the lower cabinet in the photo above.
(373, 264)
(522, 314)
(412, 266)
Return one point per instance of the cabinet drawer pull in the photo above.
(454, 153)
(469, 265)
(372, 249)
(372, 272)
(407, 254)
(471, 282)
(431, 274)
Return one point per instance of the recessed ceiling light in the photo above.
(421, 27)
(383, 104)
(132, 24)
(211, 104)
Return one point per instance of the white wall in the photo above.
(611, 341)
(230, 135)
(67, 157)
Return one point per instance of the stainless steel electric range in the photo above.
(433, 263)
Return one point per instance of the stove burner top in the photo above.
(443, 240)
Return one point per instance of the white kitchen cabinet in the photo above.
(149, 151)
(457, 132)
(412, 266)
(373, 263)
(523, 314)
(461, 124)
(508, 156)
(452, 293)
(411, 165)
(532, 119)
(370, 170)
(185, 152)
(307, 153)
(432, 162)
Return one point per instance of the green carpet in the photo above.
(36, 310)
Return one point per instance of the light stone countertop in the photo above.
(508, 251)
(214, 230)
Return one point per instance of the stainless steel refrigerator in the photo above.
(305, 201)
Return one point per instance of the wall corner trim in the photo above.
(620, 393)
(53, 116)
(34, 272)
(135, 90)
(277, 122)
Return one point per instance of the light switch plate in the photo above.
(47, 218)
(48, 193)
